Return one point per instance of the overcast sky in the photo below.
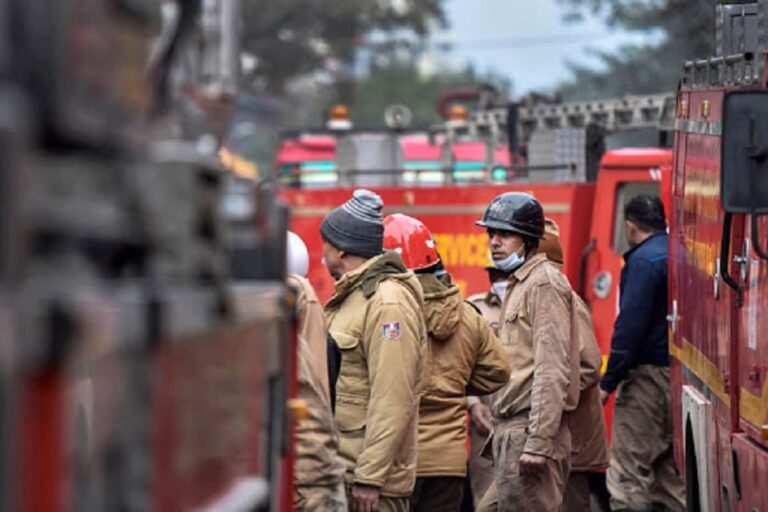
(526, 39)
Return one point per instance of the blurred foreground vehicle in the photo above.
(134, 375)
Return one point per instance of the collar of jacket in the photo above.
(442, 306)
(369, 275)
(523, 272)
(644, 242)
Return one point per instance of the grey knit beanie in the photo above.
(357, 226)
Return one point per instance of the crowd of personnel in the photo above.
(395, 361)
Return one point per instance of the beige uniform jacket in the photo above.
(375, 316)
(536, 331)
(490, 307)
(588, 431)
(317, 439)
(589, 449)
(464, 358)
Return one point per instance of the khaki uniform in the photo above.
(464, 357)
(375, 316)
(319, 472)
(480, 467)
(532, 410)
(642, 474)
(312, 325)
(589, 452)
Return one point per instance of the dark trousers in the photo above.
(437, 494)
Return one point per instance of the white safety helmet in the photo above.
(297, 256)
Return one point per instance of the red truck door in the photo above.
(623, 175)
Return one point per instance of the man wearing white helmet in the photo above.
(319, 473)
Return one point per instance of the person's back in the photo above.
(464, 357)
(319, 472)
(639, 368)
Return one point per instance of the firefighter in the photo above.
(531, 443)
(589, 452)
(375, 317)
(481, 418)
(642, 473)
(319, 472)
(464, 357)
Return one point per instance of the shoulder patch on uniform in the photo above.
(390, 331)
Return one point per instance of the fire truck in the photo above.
(718, 272)
(135, 372)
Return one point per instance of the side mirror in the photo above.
(744, 156)
(744, 160)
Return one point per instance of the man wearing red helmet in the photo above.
(463, 357)
(532, 439)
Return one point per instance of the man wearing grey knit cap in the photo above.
(375, 317)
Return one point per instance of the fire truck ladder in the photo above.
(655, 111)
(558, 136)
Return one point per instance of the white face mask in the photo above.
(499, 289)
(510, 263)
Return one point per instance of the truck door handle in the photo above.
(725, 249)
(673, 317)
(583, 259)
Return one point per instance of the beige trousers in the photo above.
(642, 473)
(511, 490)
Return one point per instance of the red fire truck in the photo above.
(135, 373)
(718, 272)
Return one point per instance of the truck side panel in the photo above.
(450, 213)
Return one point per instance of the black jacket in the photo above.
(640, 332)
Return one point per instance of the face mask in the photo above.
(500, 289)
(510, 263)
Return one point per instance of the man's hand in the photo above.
(532, 464)
(604, 396)
(364, 498)
(482, 418)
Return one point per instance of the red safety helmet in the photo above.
(411, 239)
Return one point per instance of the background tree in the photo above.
(686, 30)
(403, 83)
(290, 38)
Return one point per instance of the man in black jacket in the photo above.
(642, 475)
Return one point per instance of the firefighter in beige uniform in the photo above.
(481, 418)
(464, 357)
(375, 317)
(319, 471)
(532, 438)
